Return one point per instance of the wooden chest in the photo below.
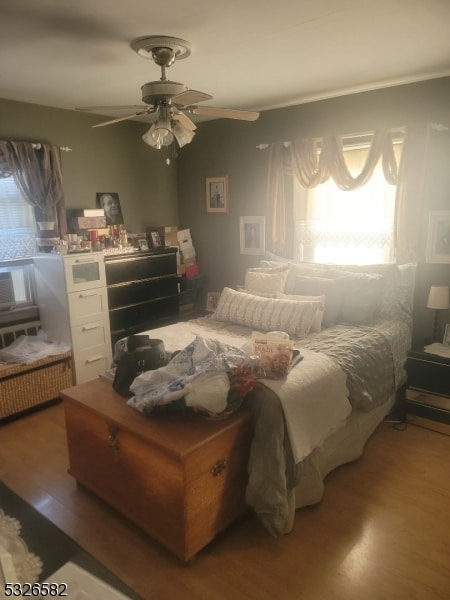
(180, 478)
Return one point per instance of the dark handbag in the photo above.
(142, 354)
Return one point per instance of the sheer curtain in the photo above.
(314, 161)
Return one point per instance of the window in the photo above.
(346, 227)
(17, 222)
(17, 240)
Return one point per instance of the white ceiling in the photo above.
(247, 54)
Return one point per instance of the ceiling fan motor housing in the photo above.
(155, 92)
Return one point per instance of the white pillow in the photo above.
(316, 326)
(266, 283)
(266, 314)
(240, 288)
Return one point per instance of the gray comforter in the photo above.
(365, 355)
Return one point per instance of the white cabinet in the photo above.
(73, 306)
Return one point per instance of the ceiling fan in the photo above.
(169, 100)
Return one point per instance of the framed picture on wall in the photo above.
(438, 242)
(143, 244)
(110, 203)
(252, 235)
(217, 200)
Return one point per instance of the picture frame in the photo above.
(446, 340)
(217, 200)
(438, 242)
(110, 203)
(143, 244)
(252, 235)
(212, 300)
(156, 240)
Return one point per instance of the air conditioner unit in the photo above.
(7, 299)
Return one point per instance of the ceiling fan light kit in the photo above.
(171, 100)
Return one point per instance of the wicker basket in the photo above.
(24, 386)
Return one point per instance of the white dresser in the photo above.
(73, 306)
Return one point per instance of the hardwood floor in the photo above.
(380, 532)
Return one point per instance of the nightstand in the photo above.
(427, 391)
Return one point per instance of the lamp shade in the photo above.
(439, 297)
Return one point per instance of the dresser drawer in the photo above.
(142, 316)
(84, 271)
(90, 364)
(429, 374)
(123, 295)
(180, 479)
(134, 268)
(87, 305)
(90, 335)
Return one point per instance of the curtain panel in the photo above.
(314, 161)
(411, 192)
(38, 173)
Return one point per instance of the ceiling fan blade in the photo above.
(124, 107)
(142, 112)
(224, 113)
(185, 121)
(190, 97)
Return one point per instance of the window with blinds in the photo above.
(17, 223)
(17, 241)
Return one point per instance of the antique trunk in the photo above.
(181, 478)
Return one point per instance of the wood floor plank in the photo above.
(381, 530)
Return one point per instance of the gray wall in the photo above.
(106, 159)
(228, 147)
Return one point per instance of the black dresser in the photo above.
(142, 291)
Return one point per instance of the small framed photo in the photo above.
(438, 243)
(110, 203)
(252, 235)
(212, 300)
(446, 340)
(156, 240)
(217, 200)
(143, 245)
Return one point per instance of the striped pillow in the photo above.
(266, 314)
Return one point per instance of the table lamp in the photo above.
(438, 299)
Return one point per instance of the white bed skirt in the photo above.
(344, 445)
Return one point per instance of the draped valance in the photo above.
(314, 161)
(38, 173)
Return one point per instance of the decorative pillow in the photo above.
(362, 295)
(295, 269)
(266, 314)
(316, 326)
(333, 289)
(274, 267)
(265, 282)
(240, 288)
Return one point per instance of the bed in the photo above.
(352, 325)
